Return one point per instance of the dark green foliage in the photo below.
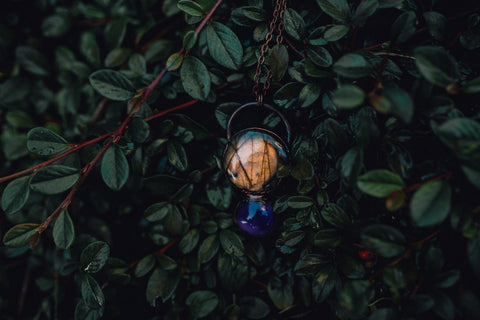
(125, 212)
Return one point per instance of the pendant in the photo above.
(251, 160)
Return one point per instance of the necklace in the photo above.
(253, 156)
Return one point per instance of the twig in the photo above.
(445, 176)
(430, 236)
(158, 252)
(162, 113)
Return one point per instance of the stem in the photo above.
(430, 236)
(445, 176)
(208, 16)
(161, 251)
(162, 113)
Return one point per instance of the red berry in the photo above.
(365, 254)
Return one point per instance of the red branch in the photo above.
(445, 176)
(161, 251)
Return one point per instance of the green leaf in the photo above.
(350, 267)
(403, 27)
(191, 7)
(201, 303)
(337, 9)
(144, 266)
(348, 96)
(354, 298)
(89, 48)
(63, 231)
(54, 179)
(117, 57)
(284, 96)
(320, 56)
(112, 85)
(401, 103)
(383, 240)
(219, 194)
(324, 282)
(294, 24)
(231, 243)
(473, 254)
(352, 65)
(224, 46)
(335, 215)
(55, 26)
(85, 312)
(311, 264)
(32, 60)
(383, 314)
(174, 61)
(473, 86)
(189, 241)
(281, 293)
(190, 39)
(115, 33)
(277, 59)
(19, 235)
(444, 306)
(300, 202)
(139, 130)
(195, 78)
(364, 10)
(177, 156)
(44, 142)
(437, 24)
(436, 65)
(114, 168)
(309, 94)
(472, 175)
(447, 279)
(254, 307)
(137, 63)
(94, 256)
(327, 238)
(380, 183)
(336, 32)
(161, 284)
(157, 211)
(248, 16)
(91, 292)
(430, 204)
(462, 135)
(16, 195)
(208, 249)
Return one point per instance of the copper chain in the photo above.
(276, 27)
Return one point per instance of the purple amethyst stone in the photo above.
(254, 216)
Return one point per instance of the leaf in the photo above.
(16, 195)
(55, 26)
(364, 10)
(323, 283)
(277, 59)
(383, 240)
(54, 179)
(157, 211)
(248, 16)
(112, 85)
(139, 130)
(380, 183)
(144, 266)
(308, 95)
(161, 284)
(472, 175)
(89, 48)
(281, 293)
(91, 292)
(189, 241)
(352, 65)
(208, 249)
(63, 231)
(447, 279)
(219, 194)
(201, 303)
(224, 46)
(44, 142)
(300, 202)
(190, 7)
(354, 298)
(190, 39)
(444, 306)
(32, 60)
(94, 256)
(336, 32)
(350, 267)
(177, 156)
(436, 65)
(137, 63)
(254, 307)
(335, 215)
(327, 238)
(348, 96)
(18, 236)
(320, 56)
(337, 9)
(401, 103)
(473, 254)
(430, 204)
(294, 24)
(462, 135)
(311, 264)
(84, 312)
(195, 78)
(403, 27)
(174, 61)
(472, 86)
(115, 33)
(437, 24)
(384, 313)
(231, 243)
(114, 168)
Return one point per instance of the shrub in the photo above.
(114, 201)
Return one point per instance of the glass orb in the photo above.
(252, 158)
(254, 215)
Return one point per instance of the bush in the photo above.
(115, 203)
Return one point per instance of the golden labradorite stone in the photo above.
(252, 159)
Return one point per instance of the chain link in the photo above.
(276, 27)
